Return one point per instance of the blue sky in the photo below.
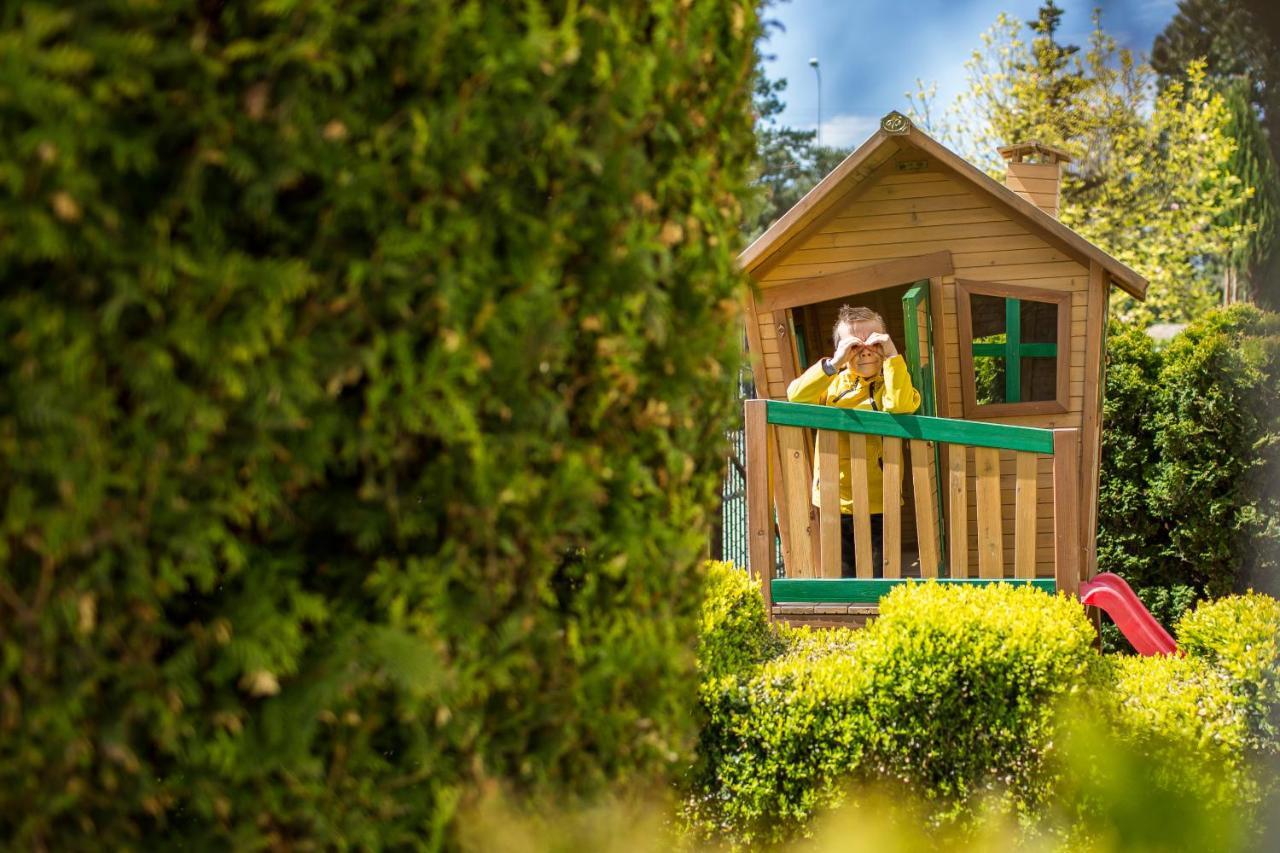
(871, 51)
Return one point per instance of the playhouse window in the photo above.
(1010, 338)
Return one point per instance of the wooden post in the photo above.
(1091, 418)
(926, 509)
(829, 497)
(760, 554)
(797, 478)
(1066, 529)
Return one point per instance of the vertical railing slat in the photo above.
(1024, 531)
(829, 500)
(926, 508)
(861, 504)
(958, 541)
(891, 542)
(797, 479)
(777, 488)
(760, 554)
(1066, 532)
(990, 532)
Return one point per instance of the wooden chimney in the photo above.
(1035, 173)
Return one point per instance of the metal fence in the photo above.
(729, 534)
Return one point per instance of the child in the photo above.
(865, 372)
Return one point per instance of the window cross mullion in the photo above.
(1012, 345)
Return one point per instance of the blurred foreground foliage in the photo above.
(364, 370)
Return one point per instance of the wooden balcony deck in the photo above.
(779, 472)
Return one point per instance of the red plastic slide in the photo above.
(1110, 593)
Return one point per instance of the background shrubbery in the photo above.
(364, 370)
(1190, 486)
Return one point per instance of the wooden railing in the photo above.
(778, 467)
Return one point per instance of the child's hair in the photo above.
(850, 315)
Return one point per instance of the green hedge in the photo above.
(1190, 483)
(1195, 731)
(364, 371)
(956, 700)
(1154, 759)
(950, 693)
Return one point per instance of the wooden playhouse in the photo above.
(1000, 311)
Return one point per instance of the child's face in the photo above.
(867, 361)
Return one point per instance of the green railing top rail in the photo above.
(919, 427)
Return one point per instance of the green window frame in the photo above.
(1013, 349)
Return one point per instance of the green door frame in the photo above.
(913, 300)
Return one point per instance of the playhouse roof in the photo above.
(897, 132)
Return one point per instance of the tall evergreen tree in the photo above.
(786, 155)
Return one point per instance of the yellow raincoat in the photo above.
(891, 391)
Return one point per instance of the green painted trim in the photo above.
(1038, 351)
(915, 298)
(912, 301)
(911, 333)
(1025, 350)
(922, 427)
(919, 290)
(1012, 341)
(870, 591)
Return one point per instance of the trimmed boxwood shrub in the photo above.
(364, 372)
(967, 680)
(1240, 636)
(1182, 713)
(951, 693)
(1153, 759)
(734, 634)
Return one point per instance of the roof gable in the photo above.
(897, 134)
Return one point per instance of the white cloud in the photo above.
(848, 130)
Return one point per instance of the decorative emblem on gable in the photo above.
(895, 123)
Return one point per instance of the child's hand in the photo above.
(885, 342)
(845, 350)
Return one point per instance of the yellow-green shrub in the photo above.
(951, 692)
(964, 686)
(734, 633)
(1240, 636)
(1182, 714)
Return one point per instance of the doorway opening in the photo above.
(811, 331)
